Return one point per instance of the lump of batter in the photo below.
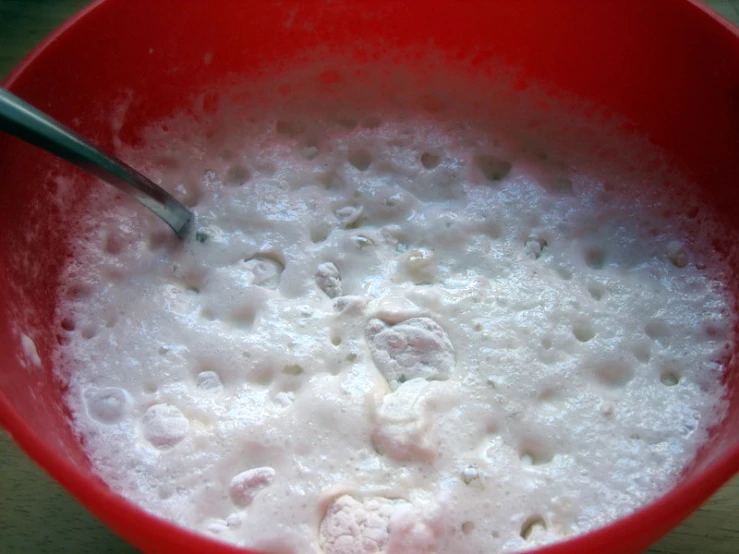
(677, 253)
(354, 527)
(164, 426)
(534, 247)
(413, 348)
(328, 279)
(247, 484)
(419, 266)
(402, 423)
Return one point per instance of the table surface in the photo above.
(37, 515)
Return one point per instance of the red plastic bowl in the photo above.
(669, 66)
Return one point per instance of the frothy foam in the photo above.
(395, 334)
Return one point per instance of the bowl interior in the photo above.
(666, 66)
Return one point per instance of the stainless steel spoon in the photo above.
(22, 120)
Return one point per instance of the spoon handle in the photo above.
(22, 120)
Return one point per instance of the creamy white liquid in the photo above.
(404, 337)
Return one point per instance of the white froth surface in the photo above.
(402, 338)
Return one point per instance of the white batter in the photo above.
(395, 337)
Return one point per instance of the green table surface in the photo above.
(38, 516)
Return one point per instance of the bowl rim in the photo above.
(121, 514)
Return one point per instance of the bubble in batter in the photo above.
(209, 380)
(492, 167)
(349, 216)
(107, 405)
(265, 271)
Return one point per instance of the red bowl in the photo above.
(671, 67)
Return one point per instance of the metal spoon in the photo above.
(22, 120)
